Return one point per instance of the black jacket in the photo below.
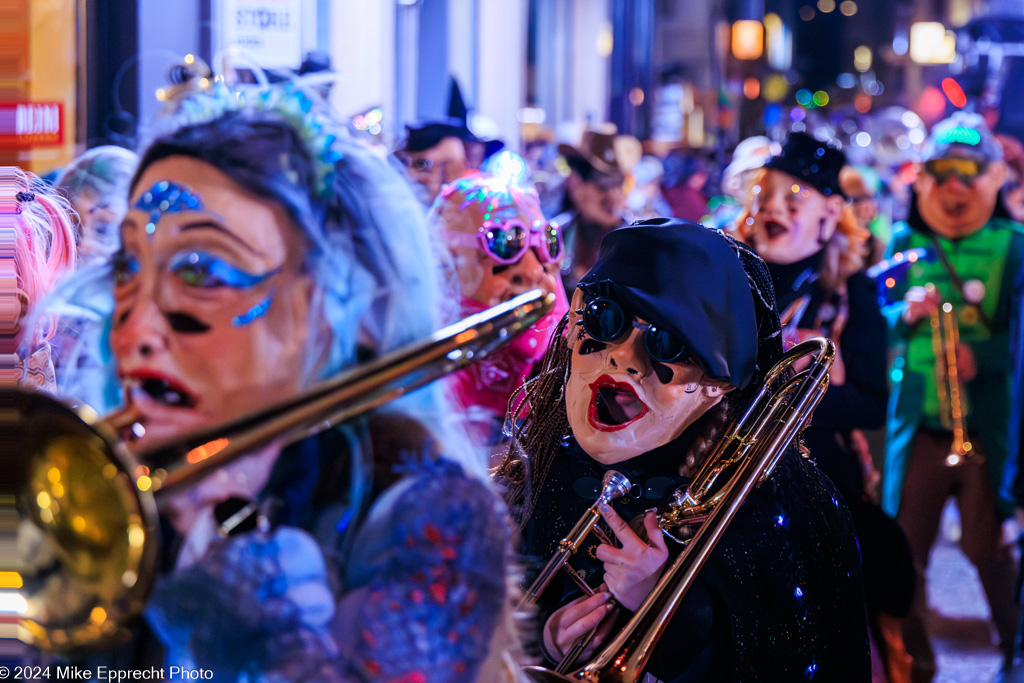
(780, 597)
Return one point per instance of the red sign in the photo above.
(24, 125)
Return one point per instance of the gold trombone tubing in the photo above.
(89, 507)
(952, 399)
(614, 486)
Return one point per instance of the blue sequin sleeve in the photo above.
(425, 585)
(258, 607)
(421, 593)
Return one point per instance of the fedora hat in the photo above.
(607, 152)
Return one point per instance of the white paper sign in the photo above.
(268, 30)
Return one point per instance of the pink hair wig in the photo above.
(37, 250)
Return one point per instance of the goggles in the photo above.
(965, 170)
(605, 320)
(509, 241)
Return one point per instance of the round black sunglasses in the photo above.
(605, 320)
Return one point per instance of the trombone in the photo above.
(89, 510)
(700, 514)
(952, 397)
(614, 486)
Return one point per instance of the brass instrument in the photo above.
(952, 397)
(740, 461)
(614, 486)
(89, 508)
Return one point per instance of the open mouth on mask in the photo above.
(614, 405)
(775, 229)
(955, 209)
(160, 389)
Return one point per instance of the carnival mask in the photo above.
(956, 195)
(501, 244)
(211, 299)
(501, 247)
(632, 387)
(790, 220)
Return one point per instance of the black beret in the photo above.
(689, 280)
(426, 134)
(811, 161)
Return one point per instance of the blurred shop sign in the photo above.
(270, 31)
(24, 125)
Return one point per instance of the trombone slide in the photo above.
(93, 505)
(952, 396)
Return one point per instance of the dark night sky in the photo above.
(823, 46)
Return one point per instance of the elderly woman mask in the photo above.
(501, 247)
(211, 301)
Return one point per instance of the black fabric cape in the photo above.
(781, 597)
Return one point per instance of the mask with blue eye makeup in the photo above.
(206, 271)
(200, 269)
(166, 197)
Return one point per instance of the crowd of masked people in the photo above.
(257, 247)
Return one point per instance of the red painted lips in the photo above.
(614, 405)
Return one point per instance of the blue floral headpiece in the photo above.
(298, 108)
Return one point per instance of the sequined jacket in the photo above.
(399, 580)
(780, 598)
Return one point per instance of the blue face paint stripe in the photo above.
(221, 272)
(166, 197)
(253, 313)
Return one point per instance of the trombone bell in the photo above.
(84, 539)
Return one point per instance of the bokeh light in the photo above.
(862, 58)
(954, 92)
(775, 88)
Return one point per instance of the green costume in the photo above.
(993, 256)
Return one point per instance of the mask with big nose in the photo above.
(501, 246)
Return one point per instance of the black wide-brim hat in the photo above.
(711, 291)
(423, 135)
(811, 161)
